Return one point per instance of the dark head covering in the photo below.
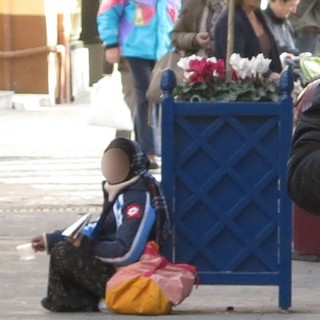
(139, 167)
(138, 159)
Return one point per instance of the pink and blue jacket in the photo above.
(141, 28)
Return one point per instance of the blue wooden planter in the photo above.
(224, 177)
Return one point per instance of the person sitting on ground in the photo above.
(304, 160)
(276, 16)
(251, 35)
(134, 212)
(193, 32)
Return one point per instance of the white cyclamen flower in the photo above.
(184, 63)
(235, 61)
(245, 68)
(249, 68)
(240, 65)
(262, 64)
(253, 67)
(212, 59)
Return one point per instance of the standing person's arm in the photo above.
(183, 34)
(108, 21)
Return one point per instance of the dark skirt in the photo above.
(77, 281)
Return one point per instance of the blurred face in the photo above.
(115, 165)
(282, 9)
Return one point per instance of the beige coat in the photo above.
(188, 25)
(192, 19)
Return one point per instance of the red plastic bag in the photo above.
(151, 285)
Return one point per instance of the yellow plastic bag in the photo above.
(150, 286)
(139, 295)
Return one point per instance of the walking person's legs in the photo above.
(141, 72)
(128, 94)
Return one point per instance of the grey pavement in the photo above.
(49, 174)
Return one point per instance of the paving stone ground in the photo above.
(49, 174)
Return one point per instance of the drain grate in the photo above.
(52, 208)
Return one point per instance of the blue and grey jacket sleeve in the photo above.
(52, 238)
(135, 218)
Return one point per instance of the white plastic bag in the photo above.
(108, 107)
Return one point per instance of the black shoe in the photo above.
(45, 303)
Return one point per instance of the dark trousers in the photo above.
(128, 94)
(76, 281)
(141, 73)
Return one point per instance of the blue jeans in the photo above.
(141, 73)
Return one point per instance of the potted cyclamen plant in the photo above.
(226, 134)
(225, 144)
(205, 80)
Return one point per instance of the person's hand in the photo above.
(287, 56)
(38, 243)
(274, 76)
(305, 54)
(286, 59)
(112, 55)
(202, 39)
(77, 241)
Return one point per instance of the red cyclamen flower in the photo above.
(202, 70)
(220, 68)
(234, 75)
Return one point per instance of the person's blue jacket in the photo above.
(245, 40)
(141, 28)
(125, 225)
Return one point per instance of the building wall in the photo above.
(23, 26)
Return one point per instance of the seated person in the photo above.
(134, 212)
(251, 35)
(304, 161)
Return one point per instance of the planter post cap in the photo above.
(168, 80)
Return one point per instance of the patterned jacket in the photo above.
(141, 28)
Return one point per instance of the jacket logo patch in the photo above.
(133, 211)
